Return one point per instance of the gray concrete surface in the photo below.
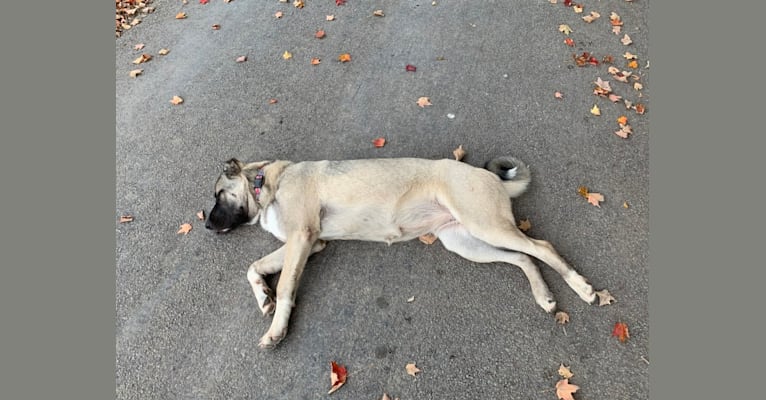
(187, 325)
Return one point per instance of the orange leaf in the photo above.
(569, 42)
(595, 199)
(338, 375)
(424, 101)
(176, 100)
(319, 34)
(379, 142)
(185, 228)
(621, 331)
(345, 57)
(640, 108)
(315, 61)
(126, 218)
(564, 389)
(428, 238)
(633, 64)
(412, 369)
(622, 120)
(181, 15)
(144, 58)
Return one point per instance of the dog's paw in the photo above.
(549, 305)
(268, 306)
(581, 286)
(269, 341)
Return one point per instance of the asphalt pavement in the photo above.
(187, 325)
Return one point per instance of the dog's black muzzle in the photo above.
(224, 218)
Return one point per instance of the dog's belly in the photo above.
(389, 226)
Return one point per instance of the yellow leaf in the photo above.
(345, 57)
(287, 55)
(181, 15)
(136, 72)
(595, 110)
(565, 29)
(565, 372)
(583, 191)
(163, 52)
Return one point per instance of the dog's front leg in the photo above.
(296, 251)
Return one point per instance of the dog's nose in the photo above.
(207, 224)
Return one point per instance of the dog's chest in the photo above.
(270, 222)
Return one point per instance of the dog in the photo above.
(305, 204)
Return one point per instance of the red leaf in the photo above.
(338, 375)
(379, 142)
(593, 60)
(340, 2)
(569, 42)
(621, 331)
(203, 1)
(568, 3)
(410, 68)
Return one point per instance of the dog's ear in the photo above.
(232, 167)
(251, 169)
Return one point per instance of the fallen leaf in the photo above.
(181, 15)
(379, 142)
(613, 70)
(411, 299)
(185, 228)
(138, 46)
(163, 52)
(628, 104)
(569, 42)
(423, 102)
(298, 4)
(287, 55)
(626, 40)
(604, 298)
(315, 61)
(338, 375)
(561, 317)
(567, 3)
(614, 19)
(630, 56)
(278, 14)
(320, 34)
(558, 95)
(621, 331)
(241, 59)
(622, 120)
(201, 215)
(176, 100)
(136, 72)
(203, 1)
(595, 110)
(273, 101)
(459, 153)
(330, 18)
(603, 84)
(385, 397)
(126, 218)
(144, 58)
(614, 98)
(564, 389)
(578, 8)
(583, 191)
(581, 60)
(428, 238)
(625, 204)
(564, 28)
(410, 68)
(595, 199)
(412, 369)
(633, 64)
(378, 13)
(525, 225)
(638, 86)
(565, 372)
(216, 27)
(340, 2)
(592, 17)
(617, 30)
(135, 22)
(640, 109)
(345, 57)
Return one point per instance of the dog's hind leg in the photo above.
(457, 239)
(270, 264)
(504, 233)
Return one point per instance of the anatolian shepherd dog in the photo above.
(306, 204)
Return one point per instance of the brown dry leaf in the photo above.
(320, 34)
(241, 59)
(136, 72)
(176, 100)
(298, 4)
(345, 57)
(273, 101)
(412, 369)
(595, 110)
(378, 13)
(423, 102)
(614, 19)
(279, 14)
(640, 109)
(595, 199)
(628, 104)
(605, 298)
(126, 218)
(338, 374)
(330, 18)
(625, 204)
(565, 372)
(144, 58)
(565, 29)
(185, 228)
(201, 215)
(561, 317)
(630, 56)
(564, 389)
(624, 131)
(138, 46)
(603, 84)
(558, 95)
(459, 153)
(428, 238)
(626, 40)
(163, 52)
(592, 17)
(216, 27)
(525, 225)
(181, 15)
(287, 55)
(315, 61)
(583, 191)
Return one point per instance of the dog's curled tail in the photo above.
(514, 174)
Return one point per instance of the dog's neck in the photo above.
(258, 183)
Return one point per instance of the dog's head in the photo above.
(235, 202)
